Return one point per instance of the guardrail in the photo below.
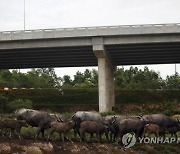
(90, 31)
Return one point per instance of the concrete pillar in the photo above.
(111, 84)
(105, 78)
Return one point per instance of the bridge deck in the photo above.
(73, 47)
(90, 31)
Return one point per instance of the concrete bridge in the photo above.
(105, 47)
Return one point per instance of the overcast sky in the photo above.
(45, 14)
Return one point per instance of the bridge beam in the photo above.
(105, 76)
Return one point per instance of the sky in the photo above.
(47, 14)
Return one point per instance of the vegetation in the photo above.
(87, 99)
(3, 102)
(36, 78)
(133, 78)
(18, 104)
(47, 91)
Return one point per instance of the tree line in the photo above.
(132, 78)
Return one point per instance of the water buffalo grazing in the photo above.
(134, 125)
(110, 118)
(35, 118)
(14, 126)
(92, 127)
(154, 129)
(61, 128)
(115, 121)
(81, 116)
(174, 129)
(159, 119)
(88, 116)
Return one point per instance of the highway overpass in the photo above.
(105, 47)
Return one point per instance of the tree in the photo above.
(5, 78)
(78, 78)
(94, 77)
(173, 82)
(137, 79)
(87, 75)
(49, 77)
(36, 78)
(66, 81)
(133, 78)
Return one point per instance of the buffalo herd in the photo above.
(89, 122)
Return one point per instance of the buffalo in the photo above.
(115, 121)
(93, 127)
(81, 116)
(35, 118)
(88, 116)
(174, 129)
(129, 125)
(159, 119)
(14, 126)
(154, 129)
(61, 128)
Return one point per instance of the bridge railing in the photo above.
(90, 31)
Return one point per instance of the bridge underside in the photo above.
(47, 57)
(138, 54)
(124, 54)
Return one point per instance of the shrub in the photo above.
(108, 113)
(170, 108)
(3, 102)
(85, 98)
(19, 103)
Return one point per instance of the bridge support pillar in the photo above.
(105, 79)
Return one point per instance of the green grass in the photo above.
(6, 115)
(67, 115)
(108, 113)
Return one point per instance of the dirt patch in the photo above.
(15, 146)
(9, 146)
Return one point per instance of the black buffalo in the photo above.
(159, 119)
(35, 118)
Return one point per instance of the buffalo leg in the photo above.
(107, 137)
(76, 131)
(51, 131)
(37, 133)
(63, 138)
(82, 135)
(174, 135)
(115, 136)
(100, 138)
(42, 132)
(91, 137)
(60, 137)
(18, 131)
(11, 133)
(67, 136)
